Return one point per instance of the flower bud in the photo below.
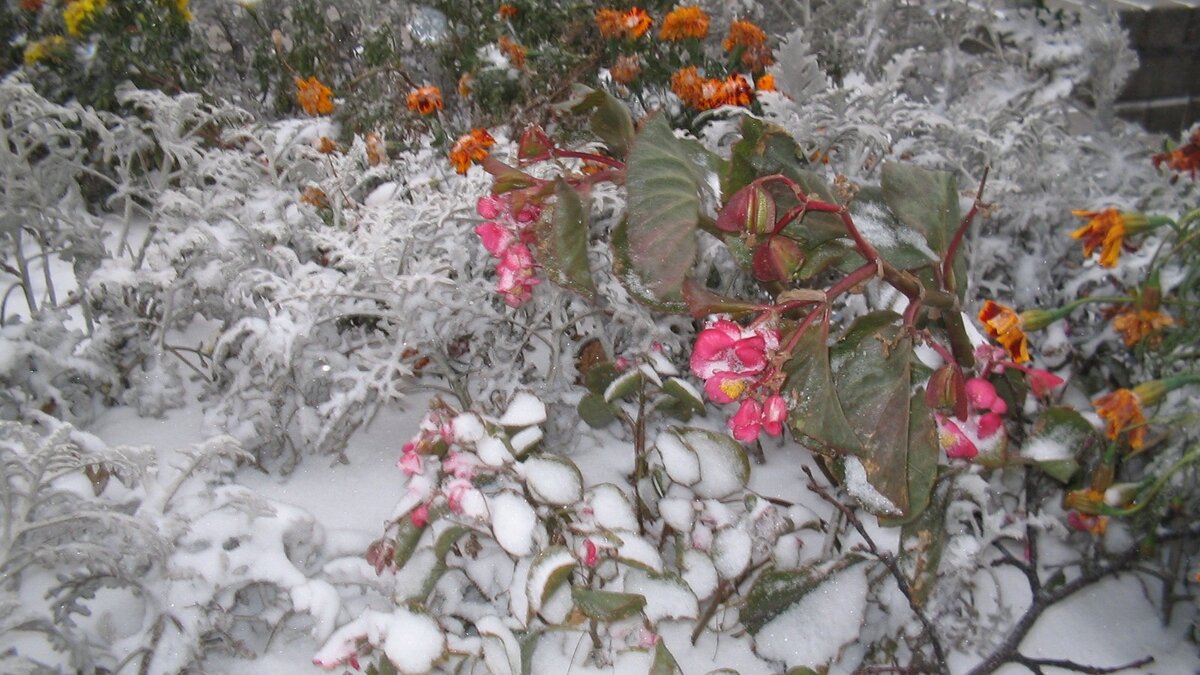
(947, 389)
(1037, 319)
(777, 260)
(751, 209)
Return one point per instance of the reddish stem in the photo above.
(952, 250)
(588, 156)
(794, 338)
(853, 279)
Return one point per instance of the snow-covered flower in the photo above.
(1121, 411)
(470, 148)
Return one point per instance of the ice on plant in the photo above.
(501, 651)
(1055, 446)
(524, 410)
(513, 522)
(812, 632)
(861, 489)
(553, 480)
(667, 596)
(611, 508)
(731, 551)
(680, 462)
(724, 467)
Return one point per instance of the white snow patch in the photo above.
(699, 573)
(553, 480)
(813, 631)
(411, 641)
(493, 452)
(526, 438)
(681, 463)
(525, 410)
(731, 551)
(666, 597)
(513, 522)
(468, 428)
(678, 513)
(861, 489)
(611, 508)
(636, 549)
(540, 572)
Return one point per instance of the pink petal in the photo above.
(989, 424)
(495, 237)
(490, 207)
(725, 387)
(747, 421)
(981, 393)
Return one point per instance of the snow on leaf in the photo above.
(513, 522)
(412, 642)
(553, 480)
(611, 508)
(501, 651)
(680, 461)
(724, 466)
(549, 570)
(813, 630)
(493, 452)
(699, 573)
(525, 410)
(637, 552)
(667, 595)
(731, 551)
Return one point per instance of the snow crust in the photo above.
(813, 631)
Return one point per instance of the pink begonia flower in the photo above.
(410, 463)
(515, 275)
(981, 393)
(989, 424)
(991, 359)
(591, 554)
(774, 415)
(460, 465)
(457, 489)
(747, 421)
(647, 638)
(1042, 382)
(953, 440)
(494, 237)
(722, 348)
(420, 515)
(490, 206)
(726, 387)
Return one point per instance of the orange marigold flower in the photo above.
(326, 145)
(507, 11)
(470, 148)
(514, 51)
(464, 85)
(688, 85)
(626, 69)
(736, 90)
(765, 83)
(1122, 412)
(376, 149)
(425, 100)
(314, 196)
(1183, 158)
(610, 23)
(1104, 230)
(758, 58)
(1136, 324)
(1004, 325)
(744, 33)
(637, 22)
(314, 97)
(32, 5)
(684, 23)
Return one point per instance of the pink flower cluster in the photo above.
(984, 424)
(734, 362)
(435, 435)
(506, 236)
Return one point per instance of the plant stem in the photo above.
(952, 250)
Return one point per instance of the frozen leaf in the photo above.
(635, 551)
(818, 622)
(553, 480)
(699, 573)
(685, 393)
(927, 202)
(595, 411)
(493, 452)
(624, 385)
(731, 551)
(664, 662)
(724, 466)
(815, 411)
(1057, 437)
(679, 460)
(525, 439)
(501, 651)
(600, 376)
(611, 508)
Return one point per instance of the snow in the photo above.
(861, 489)
(681, 463)
(1048, 448)
(611, 508)
(412, 642)
(513, 522)
(468, 428)
(525, 410)
(548, 563)
(731, 552)
(666, 597)
(493, 452)
(813, 631)
(699, 573)
(553, 480)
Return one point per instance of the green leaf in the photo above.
(600, 376)
(607, 606)
(624, 270)
(724, 466)
(548, 477)
(923, 454)
(610, 118)
(927, 202)
(595, 411)
(508, 178)
(663, 186)
(817, 415)
(873, 382)
(897, 242)
(664, 662)
(685, 393)
(406, 541)
(441, 548)
(562, 242)
(773, 593)
(922, 540)
(625, 384)
(1058, 428)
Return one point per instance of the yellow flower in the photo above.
(1104, 230)
(314, 97)
(744, 33)
(1136, 324)
(44, 49)
(1003, 324)
(425, 100)
(80, 12)
(1122, 411)
(470, 148)
(683, 23)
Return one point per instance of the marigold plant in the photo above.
(314, 98)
